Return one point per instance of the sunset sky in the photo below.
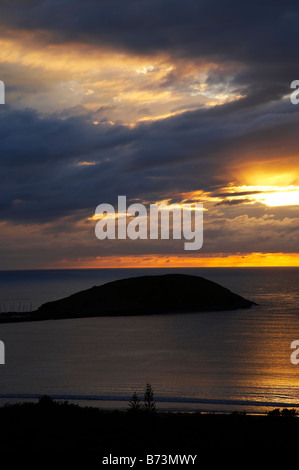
(158, 100)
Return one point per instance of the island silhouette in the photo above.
(144, 295)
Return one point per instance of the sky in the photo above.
(158, 100)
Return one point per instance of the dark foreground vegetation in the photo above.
(48, 431)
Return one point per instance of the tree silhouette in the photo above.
(134, 403)
(149, 405)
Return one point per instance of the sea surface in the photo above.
(214, 361)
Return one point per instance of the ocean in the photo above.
(215, 361)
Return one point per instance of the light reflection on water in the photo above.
(218, 357)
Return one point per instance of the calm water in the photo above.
(219, 361)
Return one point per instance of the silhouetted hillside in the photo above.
(170, 293)
(147, 295)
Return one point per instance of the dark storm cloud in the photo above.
(42, 180)
(260, 35)
(231, 29)
(233, 202)
(27, 138)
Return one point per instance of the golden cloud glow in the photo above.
(114, 85)
(86, 163)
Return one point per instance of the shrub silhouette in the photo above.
(284, 412)
(287, 412)
(46, 402)
(275, 412)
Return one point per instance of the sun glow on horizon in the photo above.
(219, 260)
